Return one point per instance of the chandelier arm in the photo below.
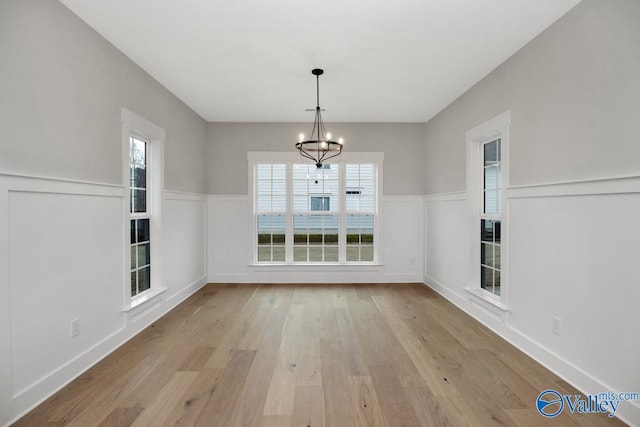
(321, 158)
(325, 157)
(303, 153)
(329, 153)
(332, 153)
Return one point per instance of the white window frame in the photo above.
(148, 214)
(289, 159)
(141, 128)
(475, 138)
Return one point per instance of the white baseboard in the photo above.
(314, 274)
(189, 290)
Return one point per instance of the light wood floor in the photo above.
(311, 355)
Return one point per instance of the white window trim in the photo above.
(289, 158)
(134, 125)
(497, 127)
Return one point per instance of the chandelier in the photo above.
(319, 147)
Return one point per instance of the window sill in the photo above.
(317, 267)
(488, 298)
(144, 299)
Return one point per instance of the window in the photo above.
(143, 168)
(271, 212)
(140, 215)
(487, 177)
(490, 217)
(360, 212)
(320, 203)
(305, 214)
(316, 223)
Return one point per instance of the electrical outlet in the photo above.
(75, 328)
(556, 325)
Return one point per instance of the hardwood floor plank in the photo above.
(308, 408)
(458, 411)
(364, 292)
(437, 341)
(394, 401)
(427, 408)
(282, 389)
(196, 359)
(366, 406)
(464, 328)
(196, 397)
(255, 322)
(166, 400)
(376, 339)
(219, 409)
(511, 379)
(253, 302)
(337, 398)
(354, 359)
(443, 376)
(484, 407)
(339, 301)
(486, 383)
(276, 421)
(232, 298)
(335, 384)
(224, 352)
(121, 417)
(310, 361)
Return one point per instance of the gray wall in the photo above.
(574, 96)
(61, 90)
(228, 144)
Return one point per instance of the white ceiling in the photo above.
(384, 61)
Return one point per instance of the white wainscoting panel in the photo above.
(403, 237)
(228, 237)
(574, 250)
(447, 243)
(184, 220)
(61, 259)
(65, 264)
(576, 258)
